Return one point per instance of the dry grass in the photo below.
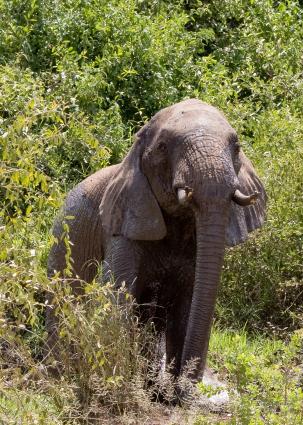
(111, 366)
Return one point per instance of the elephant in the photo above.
(160, 221)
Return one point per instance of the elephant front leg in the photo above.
(176, 325)
(121, 264)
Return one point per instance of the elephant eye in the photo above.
(162, 147)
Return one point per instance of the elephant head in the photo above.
(187, 161)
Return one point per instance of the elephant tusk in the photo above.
(184, 195)
(245, 200)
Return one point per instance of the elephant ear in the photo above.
(129, 207)
(246, 219)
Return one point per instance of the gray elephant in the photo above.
(161, 219)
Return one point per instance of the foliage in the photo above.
(28, 407)
(77, 79)
(104, 355)
(103, 352)
(264, 375)
(269, 282)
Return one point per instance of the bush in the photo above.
(264, 377)
(262, 279)
(105, 357)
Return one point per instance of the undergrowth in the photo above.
(104, 362)
(265, 378)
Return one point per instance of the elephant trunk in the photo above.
(210, 235)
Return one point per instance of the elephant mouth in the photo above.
(185, 197)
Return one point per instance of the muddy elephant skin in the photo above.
(160, 221)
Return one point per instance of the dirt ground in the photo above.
(171, 416)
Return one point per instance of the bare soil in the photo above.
(169, 416)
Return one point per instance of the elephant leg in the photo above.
(176, 325)
(121, 264)
(177, 317)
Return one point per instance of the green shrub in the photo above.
(262, 279)
(264, 377)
